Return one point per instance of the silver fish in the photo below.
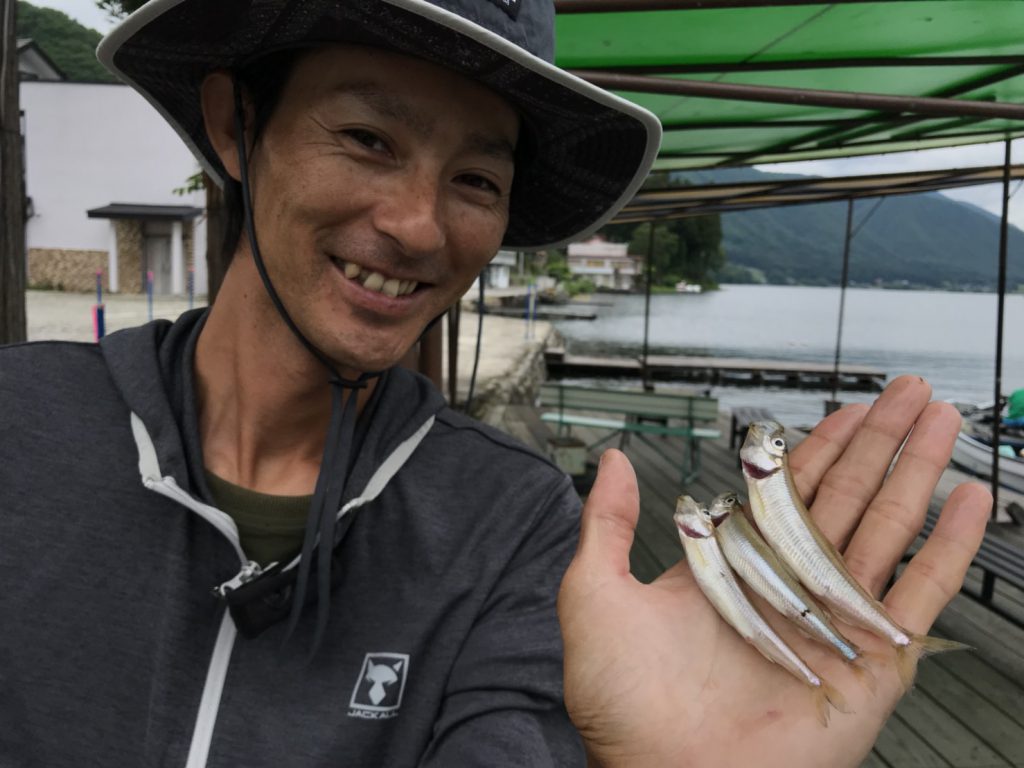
(751, 557)
(786, 524)
(723, 591)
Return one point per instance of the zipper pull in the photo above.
(251, 570)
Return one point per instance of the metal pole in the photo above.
(842, 300)
(647, 303)
(997, 408)
(627, 6)
(808, 97)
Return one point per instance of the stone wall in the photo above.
(64, 269)
(518, 387)
(129, 255)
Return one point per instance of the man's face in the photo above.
(379, 174)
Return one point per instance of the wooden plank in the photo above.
(874, 760)
(973, 710)
(974, 670)
(900, 746)
(655, 404)
(997, 641)
(957, 744)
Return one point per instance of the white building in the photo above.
(607, 265)
(34, 64)
(101, 167)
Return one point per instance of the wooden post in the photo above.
(216, 260)
(12, 189)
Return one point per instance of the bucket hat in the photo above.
(585, 150)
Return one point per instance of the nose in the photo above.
(410, 213)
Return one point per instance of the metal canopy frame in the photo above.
(826, 82)
(700, 200)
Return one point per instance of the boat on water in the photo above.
(686, 287)
(972, 451)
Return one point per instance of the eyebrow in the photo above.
(395, 108)
(499, 149)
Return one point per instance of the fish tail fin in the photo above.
(863, 673)
(930, 645)
(907, 656)
(821, 704)
(835, 697)
(826, 696)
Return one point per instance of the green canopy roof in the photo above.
(929, 73)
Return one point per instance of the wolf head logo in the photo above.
(381, 683)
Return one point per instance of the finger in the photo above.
(849, 486)
(610, 515)
(895, 516)
(936, 573)
(817, 452)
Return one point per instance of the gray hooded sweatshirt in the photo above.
(442, 647)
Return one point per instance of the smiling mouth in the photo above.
(375, 281)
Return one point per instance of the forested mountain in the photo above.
(925, 240)
(71, 46)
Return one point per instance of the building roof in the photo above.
(141, 211)
(34, 64)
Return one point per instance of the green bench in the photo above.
(645, 414)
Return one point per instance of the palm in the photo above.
(655, 677)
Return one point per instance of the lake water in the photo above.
(949, 338)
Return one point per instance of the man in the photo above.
(262, 468)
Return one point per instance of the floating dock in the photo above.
(732, 371)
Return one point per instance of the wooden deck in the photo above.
(718, 370)
(967, 709)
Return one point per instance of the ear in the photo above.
(218, 101)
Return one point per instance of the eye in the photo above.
(778, 442)
(368, 139)
(477, 181)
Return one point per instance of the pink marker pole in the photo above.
(97, 310)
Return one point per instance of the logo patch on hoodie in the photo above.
(378, 691)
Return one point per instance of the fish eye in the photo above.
(778, 442)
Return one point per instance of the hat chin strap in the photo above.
(330, 485)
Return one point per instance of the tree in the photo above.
(12, 189)
(684, 249)
(71, 46)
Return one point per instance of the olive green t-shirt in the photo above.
(271, 528)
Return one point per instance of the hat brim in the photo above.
(587, 152)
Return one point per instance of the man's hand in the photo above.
(653, 676)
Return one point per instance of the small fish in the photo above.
(786, 524)
(751, 557)
(723, 591)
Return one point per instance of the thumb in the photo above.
(610, 515)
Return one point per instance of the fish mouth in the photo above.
(690, 532)
(756, 472)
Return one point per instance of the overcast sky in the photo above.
(987, 197)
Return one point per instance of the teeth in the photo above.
(375, 281)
